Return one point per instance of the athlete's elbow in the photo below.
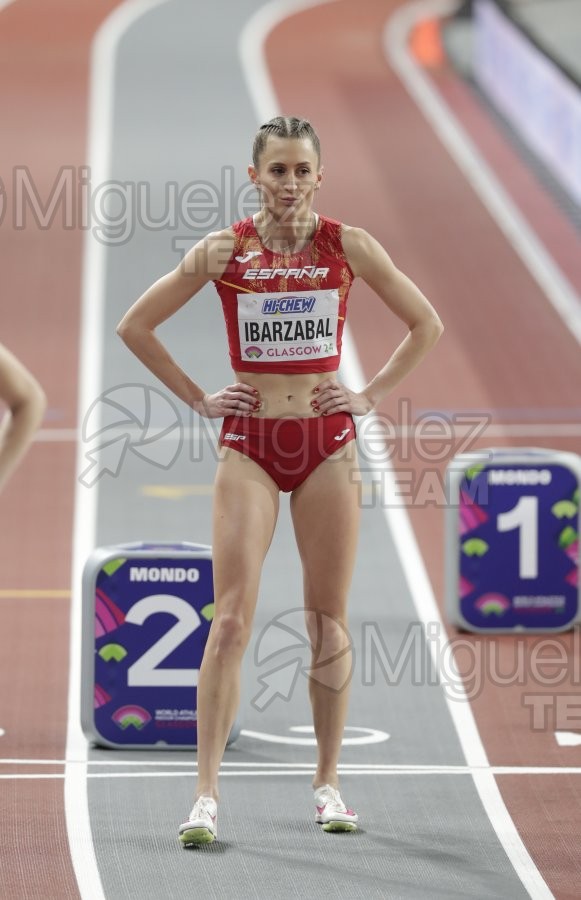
(127, 330)
(35, 400)
(437, 327)
(40, 401)
(430, 328)
(433, 324)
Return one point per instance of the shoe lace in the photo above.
(203, 806)
(331, 798)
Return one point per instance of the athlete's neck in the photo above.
(284, 236)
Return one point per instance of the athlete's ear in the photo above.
(253, 174)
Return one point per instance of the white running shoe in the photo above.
(332, 813)
(201, 827)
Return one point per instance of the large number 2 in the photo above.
(524, 517)
(144, 671)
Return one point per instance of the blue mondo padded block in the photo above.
(512, 540)
(147, 610)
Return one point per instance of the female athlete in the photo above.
(26, 405)
(283, 276)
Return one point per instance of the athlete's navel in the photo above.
(289, 397)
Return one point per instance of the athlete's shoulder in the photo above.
(358, 240)
(361, 249)
(222, 242)
(209, 255)
(220, 236)
(230, 234)
(353, 235)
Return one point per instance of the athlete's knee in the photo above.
(229, 635)
(328, 635)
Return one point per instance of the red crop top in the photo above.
(285, 313)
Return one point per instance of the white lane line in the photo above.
(558, 429)
(568, 738)
(62, 435)
(101, 103)
(274, 769)
(186, 765)
(511, 429)
(422, 594)
(566, 303)
(251, 50)
(57, 435)
(556, 287)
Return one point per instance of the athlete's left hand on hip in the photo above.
(331, 396)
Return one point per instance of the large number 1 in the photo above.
(524, 517)
(144, 671)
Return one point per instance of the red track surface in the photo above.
(503, 347)
(44, 59)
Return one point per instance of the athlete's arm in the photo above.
(369, 260)
(26, 404)
(203, 263)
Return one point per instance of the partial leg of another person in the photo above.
(246, 502)
(326, 514)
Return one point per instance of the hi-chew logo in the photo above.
(278, 305)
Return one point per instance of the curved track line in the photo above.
(369, 736)
(251, 51)
(103, 73)
(513, 225)
(557, 288)
(397, 519)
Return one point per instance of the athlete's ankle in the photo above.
(319, 781)
(207, 791)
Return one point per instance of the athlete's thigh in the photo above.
(326, 512)
(245, 510)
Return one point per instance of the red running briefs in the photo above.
(288, 449)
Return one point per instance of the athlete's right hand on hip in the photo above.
(234, 400)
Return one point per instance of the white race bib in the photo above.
(288, 326)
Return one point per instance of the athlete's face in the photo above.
(288, 175)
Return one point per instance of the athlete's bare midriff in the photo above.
(285, 395)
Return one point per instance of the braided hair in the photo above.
(284, 127)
